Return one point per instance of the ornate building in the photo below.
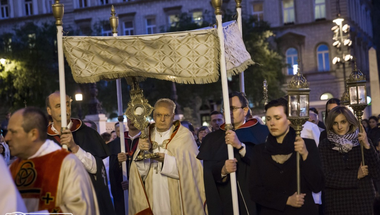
(304, 36)
(302, 28)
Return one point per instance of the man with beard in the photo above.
(116, 158)
(217, 166)
(85, 143)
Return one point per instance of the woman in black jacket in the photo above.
(349, 183)
(273, 168)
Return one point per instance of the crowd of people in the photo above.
(186, 170)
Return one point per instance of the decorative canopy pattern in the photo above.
(182, 57)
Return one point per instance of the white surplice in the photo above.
(11, 200)
(161, 172)
(75, 193)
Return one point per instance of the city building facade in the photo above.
(304, 36)
(302, 29)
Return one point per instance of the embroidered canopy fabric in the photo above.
(182, 57)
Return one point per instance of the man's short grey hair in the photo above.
(314, 114)
(166, 101)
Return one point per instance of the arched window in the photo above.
(326, 96)
(323, 58)
(291, 59)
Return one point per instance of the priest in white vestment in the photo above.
(47, 176)
(173, 183)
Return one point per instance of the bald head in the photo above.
(313, 117)
(53, 108)
(56, 94)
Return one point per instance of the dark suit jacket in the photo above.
(213, 152)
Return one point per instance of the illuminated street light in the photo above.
(342, 39)
(336, 60)
(336, 44)
(346, 28)
(338, 21)
(347, 42)
(79, 99)
(348, 57)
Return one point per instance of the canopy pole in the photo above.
(226, 102)
(58, 10)
(239, 22)
(114, 22)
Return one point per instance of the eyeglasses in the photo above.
(233, 108)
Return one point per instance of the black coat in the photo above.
(115, 170)
(374, 134)
(344, 193)
(90, 141)
(273, 183)
(213, 152)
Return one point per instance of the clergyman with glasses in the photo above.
(246, 133)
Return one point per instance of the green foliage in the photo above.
(268, 63)
(31, 72)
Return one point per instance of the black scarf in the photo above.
(284, 148)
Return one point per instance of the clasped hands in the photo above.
(145, 145)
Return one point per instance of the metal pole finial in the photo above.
(238, 3)
(217, 5)
(114, 20)
(58, 11)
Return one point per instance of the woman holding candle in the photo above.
(349, 185)
(273, 168)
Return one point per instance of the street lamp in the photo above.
(358, 96)
(298, 103)
(343, 43)
(79, 99)
(2, 61)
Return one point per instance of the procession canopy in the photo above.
(183, 57)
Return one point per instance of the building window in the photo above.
(291, 59)
(49, 4)
(4, 9)
(198, 17)
(103, 2)
(28, 7)
(323, 58)
(150, 25)
(82, 3)
(106, 30)
(288, 10)
(319, 9)
(173, 20)
(326, 96)
(258, 11)
(128, 28)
